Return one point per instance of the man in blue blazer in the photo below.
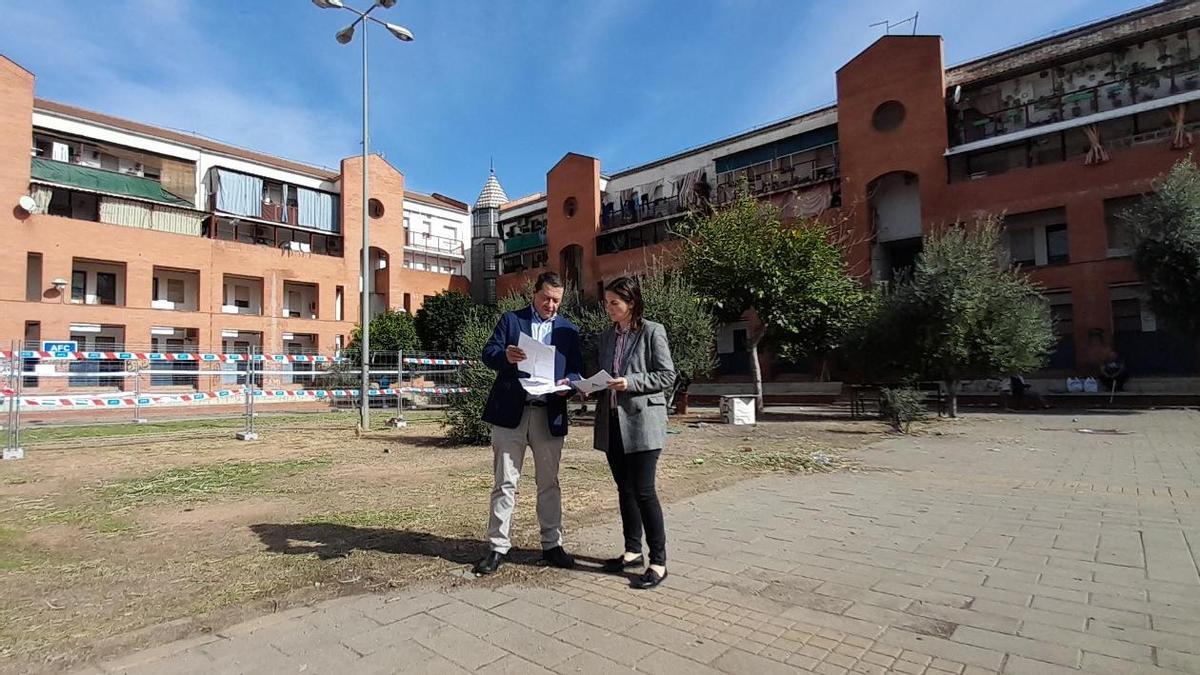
(520, 420)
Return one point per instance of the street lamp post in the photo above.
(344, 36)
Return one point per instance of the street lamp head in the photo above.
(328, 4)
(345, 35)
(386, 4)
(400, 32)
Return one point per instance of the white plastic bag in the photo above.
(1074, 385)
(1091, 386)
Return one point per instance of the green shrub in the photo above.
(900, 406)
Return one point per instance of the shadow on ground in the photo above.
(329, 541)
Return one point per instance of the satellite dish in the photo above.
(27, 204)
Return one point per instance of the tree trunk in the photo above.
(951, 398)
(756, 371)
(681, 402)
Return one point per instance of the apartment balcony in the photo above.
(242, 295)
(175, 289)
(236, 194)
(299, 300)
(527, 259)
(97, 282)
(664, 207)
(421, 242)
(778, 175)
(990, 112)
(81, 192)
(524, 242)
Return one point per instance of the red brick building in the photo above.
(145, 239)
(1058, 136)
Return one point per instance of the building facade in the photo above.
(139, 238)
(1056, 137)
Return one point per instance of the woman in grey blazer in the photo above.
(631, 424)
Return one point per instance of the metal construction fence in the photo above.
(132, 384)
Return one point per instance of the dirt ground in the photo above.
(109, 544)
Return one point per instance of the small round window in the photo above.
(888, 116)
(375, 208)
(570, 206)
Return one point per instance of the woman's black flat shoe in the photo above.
(618, 565)
(649, 579)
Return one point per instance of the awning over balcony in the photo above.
(781, 148)
(101, 181)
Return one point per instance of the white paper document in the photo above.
(539, 363)
(594, 383)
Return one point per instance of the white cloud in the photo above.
(163, 70)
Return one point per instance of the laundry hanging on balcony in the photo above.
(687, 188)
(1096, 154)
(1181, 138)
(812, 202)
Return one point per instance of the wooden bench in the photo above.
(864, 396)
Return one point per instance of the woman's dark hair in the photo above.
(629, 290)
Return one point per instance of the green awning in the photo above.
(522, 242)
(102, 181)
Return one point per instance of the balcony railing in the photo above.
(1140, 87)
(524, 260)
(774, 177)
(524, 242)
(633, 212)
(429, 243)
(278, 213)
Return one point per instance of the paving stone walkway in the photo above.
(1005, 544)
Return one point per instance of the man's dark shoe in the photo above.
(489, 564)
(620, 564)
(558, 558)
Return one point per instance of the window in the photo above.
(489, 257)
(375, 208)
(1117, 225)
(888, 116)
(1127, 315)
(1038, 237)
(1021, 247)
(490, 289)
(241, 297)
(78, 286)
(339, 306)
(1056, 244)
(1063, 316)
(450, 233)
(60, 203)
(106, 288)
(570, 206)
(33, 277)
(294, 302)
(408, 303)
(175, 290)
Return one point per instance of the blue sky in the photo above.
(524, 81)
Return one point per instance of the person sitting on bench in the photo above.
(1113, 374)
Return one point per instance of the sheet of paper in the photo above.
(594, 383)
(539, 359)
(539, 364)
(541, 387)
